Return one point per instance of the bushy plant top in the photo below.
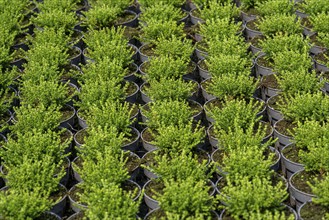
(289, 60)
(6, 41)
(50, 36)
(240, 86)
(237, 138)
(96, 91)
(248, 162)
(31, 204)
(170, 89)
(302, 107)
(6, 96)
(41, 175)
(107, 68)
(273, 7)
(122, 4)
(63, 5)
(298, 81)
(102, 15)
(188, 199)
(110, 114)
(279, 42)
(167, 112)
(235, 113)
(162, 12)
(149, 3)
(270, 215)
(244, 197)
(179, 166)
(117, 203)
(273, 24)
(320, 189)
(314, 7)
(248, 4)
(107, 167)
(38, 117)
(166, 67)
(35, 70)
(99, 139)
(14, 8)
(34, 145)
(229, 64)
(320, 22)
(175, 47)
(44, 92)
(56, 18)
(218, 29)
(219, 10)
(165, 29)
(233, 45)
(324, 39)
(176, 138)
(315, 159)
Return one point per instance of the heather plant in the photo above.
(320, 22)
(320, 189)
(289, 60)
(314, 7)
(162, 12)
(102, 15)
(233, 45)
(170, 89)
(219, 10)
(63, 5)
(148, 3)
(266, 8)
(273, 24)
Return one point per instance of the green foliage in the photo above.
(243, 196)
(229, 64)
(102, 15)
(161, 11)
(188, 199)
(214, 29)
(313, 7)
(179, 166)
(270, 215)
(240, 86)
(62, 5)
(302, 107)
(170, 89)
(167, 112)
(176, 47)
(44, 92)
(248, 4)
(237, 112)
(165, 29)
(149, 3)
(234, 45)
(316, 159)
(116, 203)
(166, 67)
(106, 167)
(175, 138)
(122, 4)
(97, 91)
(320, 189)
(36, 68)
(30, 204)
(39, 117)
(50, 36)
(6, 95)
(34, 145)
(110, 114)
(99, 139)
(219, 10)
(289, 60)
(42, 176)
(282, 42)
(273, 7)
(56, 18)
(298, 81)
(320, 22)
(273, 24)
(324, 39)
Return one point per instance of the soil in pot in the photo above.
(285, 127)
(132, 188)
(148, 50)
(74, 194)
(301, 180)
(264, 61)
(131, 89)
(148, 135)
(80, 136)
(255, 41)
(313, 211)
(270, 81)
(133, 162)
(124, 17)
(67, 113)
(322, 58)
(291, 153)
(58, 194)
(154, 188)
(130, 138)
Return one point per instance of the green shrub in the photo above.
(175, 138)
(188, 199)
(315, 159)
(320, 22)
(248, 4)
(302, 107)
(63, 5)
(162, 12)
(44, 92)
(56, 19)
(122, 4)
(281, 42)
(266, 8)
(219, 10)
(102, 15)
(288, 60)
(235, 113)
(165, 29)
(167, 112)
(324, 39)
(314, 7)
(273, 24)
(170, 89)
(6, 79)
(298, 81)
(50, 36)
(271, 215)
(243, 196)
(176, 47)
(116, 203)
(179, 166)
(166, 67)
(149, 3)
(47, 70)
(320, 189)
(240, 86)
